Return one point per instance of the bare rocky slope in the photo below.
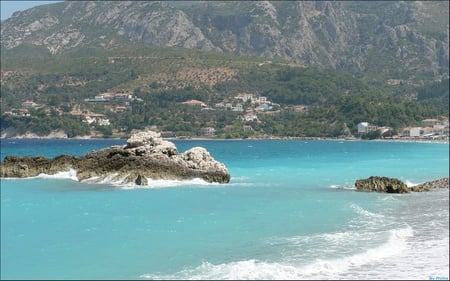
(395, 39)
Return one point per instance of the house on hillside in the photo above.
(365, 127)
(123, 96)
(195, 102)
(120, 108)
(244, 97)
(430, 122)
(96, 118)
(29, 104)
(238, 107)
(264, 107)
(208, 131)
(412, 132)
(427, 132)
(247, 128)
(23, 112)
(250, 116)
(384, 129)
(260, 100)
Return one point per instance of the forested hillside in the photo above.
(303, 101)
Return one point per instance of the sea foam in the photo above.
(70, 174)
(121, 183)
(254, 269)
(336, 186)
(160, 183)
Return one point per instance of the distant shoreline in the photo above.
(230, 139)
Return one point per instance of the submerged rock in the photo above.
(146, 155)
(393, 185)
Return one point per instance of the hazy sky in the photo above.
(8, 7)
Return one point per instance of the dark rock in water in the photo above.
(381, 184)
(431, 185)
(146, 155)
(140, 180)
(393, 185)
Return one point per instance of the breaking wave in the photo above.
(70, 174)
(347, 267)
(152, 183)
(336, 186)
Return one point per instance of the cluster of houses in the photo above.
(85, 115)
(91, 118)
(24, 110)
(243, 101)
(108, 96)
(431, 129)
(253, 105)
(115, 102)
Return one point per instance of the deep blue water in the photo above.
(289, 212)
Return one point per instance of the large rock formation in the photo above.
(146, 155)
(393, 185)
(381, 184)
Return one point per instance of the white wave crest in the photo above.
(152, 183)
(240, 270)
(410, 183)
(363, 212)
(70, 174)
(252, 269)
(336, 268)
(113, 179)
(335, 186)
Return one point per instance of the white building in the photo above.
(365, 127)
(415, 131)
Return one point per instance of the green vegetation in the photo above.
(43, 125)
(159, 80)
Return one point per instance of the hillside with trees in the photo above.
(304, 101)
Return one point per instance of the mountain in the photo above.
(388, 40)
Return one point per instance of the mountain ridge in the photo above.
(393, 40)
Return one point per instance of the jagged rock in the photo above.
(143, 138)
(393, 185)
(140, 180)
(430, 185)
(146, 155)
(150, 142)
(381, 184)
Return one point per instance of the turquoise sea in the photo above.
(289, 212)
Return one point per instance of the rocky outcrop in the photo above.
(146, 155)
(393, 185)
(430, 185)
(381, 184)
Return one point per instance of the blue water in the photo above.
(289, 212)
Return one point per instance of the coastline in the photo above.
(64, 136)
